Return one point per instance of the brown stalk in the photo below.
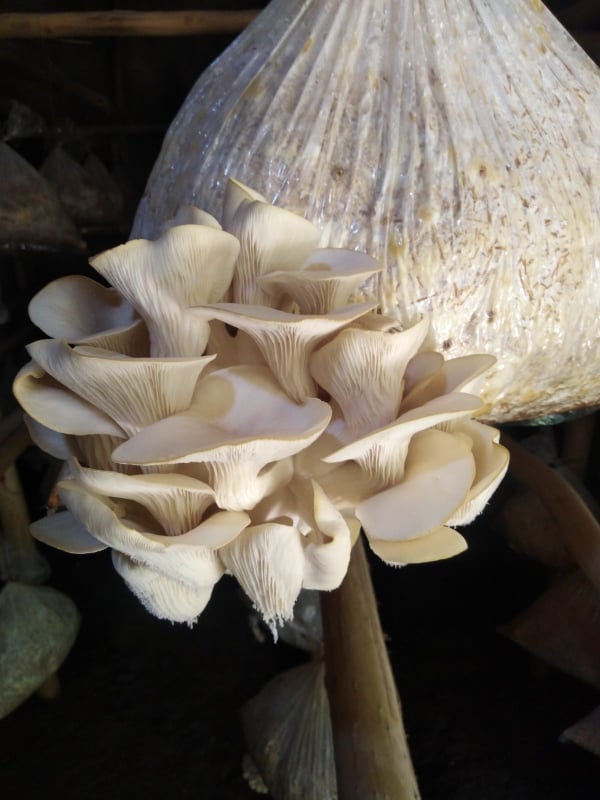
(371, 753)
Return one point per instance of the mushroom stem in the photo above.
(371, 752)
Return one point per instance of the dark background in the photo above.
(149, 709)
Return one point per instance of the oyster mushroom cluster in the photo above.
(223, 408)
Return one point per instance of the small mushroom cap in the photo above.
(440, 543)
(239, 422)
(176, 502)
(164, 597)
(53, 406)
(237, 193)
(48, 440)
(286, 340)
(65, 532)
(190, 559)
(364, 371)
(190, 215)
(187, 266)
(270, 237)
(134, 392)
(382, 452)
(491, 462)
(268, 562)
(455, 375)
(324, 282)
(439, 473)
(75, 306)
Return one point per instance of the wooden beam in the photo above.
(92, 24)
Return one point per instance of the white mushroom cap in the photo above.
(188, 265)
(239, 422)
(79, 310)
(455, 375)
(176, 502)
(237, 193)
(273, 561)
(48, 440)
(286, 340)
(190, 559)
(166, 598)
(364, 371)
(382, 452)
(53, 406)
(267, 560)
(190, 215)
(271, 238)
(134, 392)
(75, 306)
(491, 462)
(439, 472)
(324, 282)
(440, 543)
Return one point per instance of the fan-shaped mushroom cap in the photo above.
(134, 392)
(239, 422)
(270, 237)
(286, 340)
(53, 406)
(324, 282)
(65, 532)
(439, 472)
(272, 561)
(188, 265)
(236, 193)
(268, 562)
(491, 462)
(75, 306)
(455, 375)
(382, 452)
(190, 215)
(48, 440)
(440, 543)
(165, 597)
(81, 311)
(190, 559)
(176, 502)
(364, 371)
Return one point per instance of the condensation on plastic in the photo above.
(455, 142)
